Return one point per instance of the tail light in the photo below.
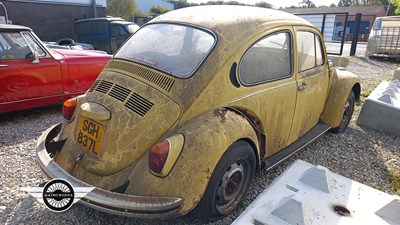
(68, 108)
(164, 155)
(158, 156)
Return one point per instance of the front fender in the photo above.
(207, 137)
(342, 83)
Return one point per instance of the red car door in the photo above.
(23, 76)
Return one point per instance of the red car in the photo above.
(31, 75)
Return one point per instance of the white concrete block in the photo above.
(390, 212)
(381, 110)
(396, 74)
(319, 177)
(290, 201)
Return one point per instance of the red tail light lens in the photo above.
(69, 108)
(158, 156)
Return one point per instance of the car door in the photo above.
(312, 79)
(21, 76)
(118, 36)
(266, 70)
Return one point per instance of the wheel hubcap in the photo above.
(230, 185)
(346, 114)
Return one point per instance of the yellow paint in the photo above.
(204, 114)
(342, 83)
(176, 144)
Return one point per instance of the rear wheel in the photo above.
(229, 182)
(348, 112)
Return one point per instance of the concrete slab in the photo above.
(396, 74)
(381, 110)
(290, 201)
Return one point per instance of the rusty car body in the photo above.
(183, 120)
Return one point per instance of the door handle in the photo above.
(303, 86)
(1, 65)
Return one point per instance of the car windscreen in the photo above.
(377, 24)
(172, 48)
(132, 28)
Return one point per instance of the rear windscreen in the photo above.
(172, 48)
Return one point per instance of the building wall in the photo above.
(369, 13)
(317, 20)
(50, 21)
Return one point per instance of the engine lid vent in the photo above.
(135, 102)
(162, 81)
(119, 92)
(94, 85)
(104, 86)
(138, 104)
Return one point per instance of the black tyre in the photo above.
(65, 41)
(348, 112)
(228, 184)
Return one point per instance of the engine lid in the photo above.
(139, 115)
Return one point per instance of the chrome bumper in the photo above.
(104, 200)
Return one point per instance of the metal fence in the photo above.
(333, 27)
(388, 42)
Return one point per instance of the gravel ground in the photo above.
(360, 154)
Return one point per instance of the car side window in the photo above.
(14, 46)
(4, 45)
(117, 30)
(268, 59)
(309, 50)
(34, 45)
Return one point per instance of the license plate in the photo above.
(90, 135)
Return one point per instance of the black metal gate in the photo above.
(333, 28)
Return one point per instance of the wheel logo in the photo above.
(58, 195)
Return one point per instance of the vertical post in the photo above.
(94, 8)
(355, 36)
(323, 24)
(344, 33)
(388, 9)
(5, 11)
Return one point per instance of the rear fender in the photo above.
(206, 137)
(342, 83)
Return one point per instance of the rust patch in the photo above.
(221, 113)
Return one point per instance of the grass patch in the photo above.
(367, 86)
(394, 177)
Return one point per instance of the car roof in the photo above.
(7, 27)
(122, 22)
(394, 18)
(109, 19)
(222, 18)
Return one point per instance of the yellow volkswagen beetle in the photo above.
(192, 106)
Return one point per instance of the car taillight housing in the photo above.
(68, 108)
(158, 156)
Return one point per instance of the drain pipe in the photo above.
(94, 8)
(5, 10)
(388, 9)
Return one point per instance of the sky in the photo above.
(279, 3)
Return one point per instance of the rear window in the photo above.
(92, 27)
(172, 48)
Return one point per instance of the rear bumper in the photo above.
(104, 200)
